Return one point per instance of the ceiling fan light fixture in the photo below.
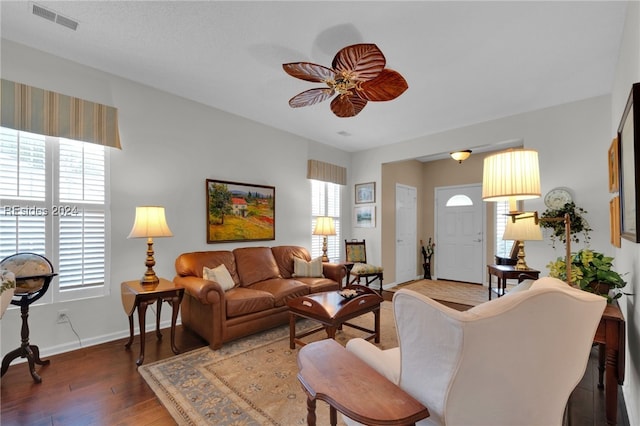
(460, 156)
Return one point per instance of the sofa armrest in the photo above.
(334, 271)
(385, 362)
(205, 291)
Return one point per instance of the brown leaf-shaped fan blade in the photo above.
(310, 97)
(309, 72)
(363, 61)
(347, 106)
(388, 85)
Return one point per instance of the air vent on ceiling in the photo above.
(52, 16)
(344, 133)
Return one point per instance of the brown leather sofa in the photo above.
(264, 282)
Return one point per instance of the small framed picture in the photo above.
(365, 192)
(364, 216)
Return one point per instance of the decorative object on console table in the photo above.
(629, 173)
(325, 227)
(240, 212)
(523, 229)
(150, 222)
(136, 295)
(365, 192)
(592, 272)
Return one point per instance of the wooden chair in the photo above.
(356, 253)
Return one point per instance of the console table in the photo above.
(332, 374)
(504, 273)
(610, 336)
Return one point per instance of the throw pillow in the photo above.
(302, 268)
(219, 274)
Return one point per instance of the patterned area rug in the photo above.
(449, 291)
(251, 381)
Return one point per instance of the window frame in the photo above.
(334, 251)
(52, 222)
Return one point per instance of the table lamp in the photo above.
(523, 229)
(514, 175)
(150, 222)
(324, 227)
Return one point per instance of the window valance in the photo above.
(326, 172)
(40, 111)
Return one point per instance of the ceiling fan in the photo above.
(357, 75)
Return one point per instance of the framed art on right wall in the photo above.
(629, 151)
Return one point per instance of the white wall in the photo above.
(169, 147)
(628, 256)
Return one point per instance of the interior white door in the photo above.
(460, 223)
(406, 233)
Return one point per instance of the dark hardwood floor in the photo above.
(100, 385)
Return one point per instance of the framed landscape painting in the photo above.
(240, 212)
(364, 216)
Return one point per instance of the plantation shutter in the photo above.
(82, 222)
(503, 247)
(22, 193)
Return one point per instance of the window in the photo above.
(53, 202)
(503, 247)
(325, 201)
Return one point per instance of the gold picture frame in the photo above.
(614, 178)
(614, 221)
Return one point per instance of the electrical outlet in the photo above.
(62, 316)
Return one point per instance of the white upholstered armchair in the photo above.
(511, 361)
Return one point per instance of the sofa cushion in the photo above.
(243, 301)
(219, 274)
(302, 268)
(255, 264)
(192, 264)
(316, 285)
(282, 289)
(284, 258)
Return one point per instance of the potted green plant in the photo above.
(591, 271)
(579, 224)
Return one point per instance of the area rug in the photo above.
(464, 294)
(251, 381)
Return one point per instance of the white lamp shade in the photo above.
(523, 229)
(511, 174)
(324, 226)
(150, 222)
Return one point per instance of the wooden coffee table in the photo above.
(333, 311)
(330, 373)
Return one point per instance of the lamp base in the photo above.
(521, 265)
(149, 278)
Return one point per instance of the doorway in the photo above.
(406, 233)
(460, 230)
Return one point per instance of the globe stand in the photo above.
(27, 295)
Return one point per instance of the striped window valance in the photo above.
(326, 172)
(49, 113)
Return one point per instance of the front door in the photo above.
(460, 223)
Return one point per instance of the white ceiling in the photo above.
(465, 62)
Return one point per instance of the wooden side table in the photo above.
(504, 273)
(328, 372)
(135, 295)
